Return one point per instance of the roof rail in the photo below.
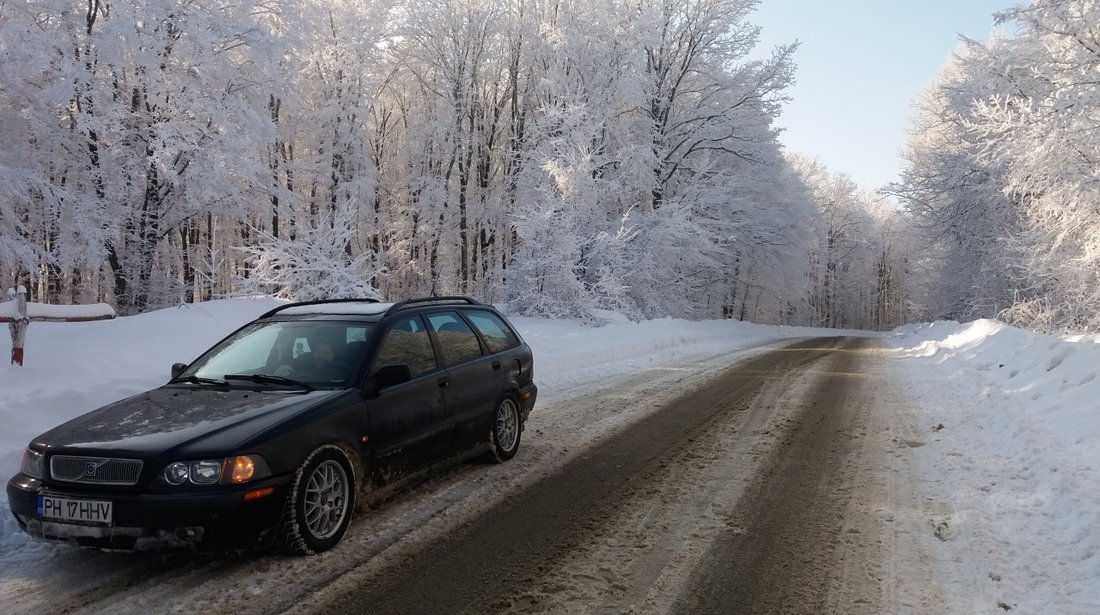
(316, 302)
(429, 300)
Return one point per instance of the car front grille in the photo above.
(95, 470)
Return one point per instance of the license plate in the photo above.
(96, 512)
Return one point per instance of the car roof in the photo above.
(349, 308)
(365, 307)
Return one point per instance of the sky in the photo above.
(997, 428)
(861, 65)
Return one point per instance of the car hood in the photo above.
(180, 418)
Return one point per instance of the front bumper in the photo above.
(198, 519)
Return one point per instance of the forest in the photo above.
(1001, 182)
(559, 157)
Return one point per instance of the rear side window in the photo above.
(496, 333)
(407, 343)
(457, 341)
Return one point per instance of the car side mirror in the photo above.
(392, 375)
(177, 369)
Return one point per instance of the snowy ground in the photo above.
(1010, 458)
(1013, 456)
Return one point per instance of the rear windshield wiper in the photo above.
(196, 380)
(268, 379)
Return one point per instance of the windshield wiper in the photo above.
(268, 379)
(196, 380)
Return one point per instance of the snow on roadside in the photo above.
(567, 353)
(1013, 458)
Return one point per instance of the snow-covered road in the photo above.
(771, 488)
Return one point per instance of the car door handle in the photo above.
(443, 382)
(496, 364)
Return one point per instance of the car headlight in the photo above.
(205, 472)
(229, 471)
(34, 464)
(177, 473)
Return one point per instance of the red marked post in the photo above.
(19, 314)
(18, 324)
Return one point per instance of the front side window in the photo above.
(407, 343)
(457, 341)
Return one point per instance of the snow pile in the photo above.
(1014, 459)
(1053, 382)
(45, 311)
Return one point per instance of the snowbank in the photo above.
(1015, 461)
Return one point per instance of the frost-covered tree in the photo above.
(857, 265)
(130, 115)
(314, 265)
(1045, 133)
(955, 197)
(1002, 171)
(557, 155)
(661, 126)
(708, 110)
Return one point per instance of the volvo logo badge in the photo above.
(91, 467)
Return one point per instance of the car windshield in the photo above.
(319, 354)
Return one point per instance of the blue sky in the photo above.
(861, 65)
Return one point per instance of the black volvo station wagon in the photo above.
(270, 436)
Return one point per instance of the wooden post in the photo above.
(18, 313)
(17, 326)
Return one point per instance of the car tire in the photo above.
(505, 431)
(320, 503)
